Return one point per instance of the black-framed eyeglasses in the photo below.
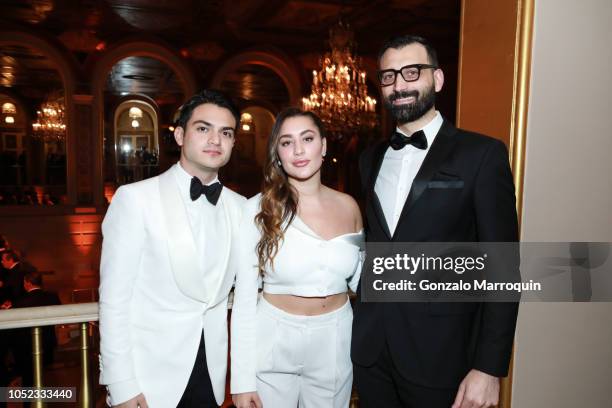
(410, 73)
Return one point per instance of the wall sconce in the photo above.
(135, 113)
(246, 122)
(9, 109)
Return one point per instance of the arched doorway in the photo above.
(136, 141)
(271, 60)
(245, 169)
(261, 94)
(148, 72)
(34, 128)
(263, 82)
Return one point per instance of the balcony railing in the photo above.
(37, 317)
(83, 314)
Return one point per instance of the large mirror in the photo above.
(32, 129)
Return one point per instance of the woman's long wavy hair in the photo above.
(279, 200)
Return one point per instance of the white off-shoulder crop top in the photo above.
(308, 265)
(305, 265)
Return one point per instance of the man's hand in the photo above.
(138, 401)
(477, 390)
(247, 400)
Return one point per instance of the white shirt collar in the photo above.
(431, 130)
(184, 180)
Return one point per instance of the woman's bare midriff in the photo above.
(307, 306)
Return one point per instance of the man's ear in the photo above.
(438, 79)
(179, 132)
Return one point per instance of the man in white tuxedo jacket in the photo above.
(165, 272)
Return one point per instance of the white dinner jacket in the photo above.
(153, 305)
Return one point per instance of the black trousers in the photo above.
(381, 385)
(199, 391)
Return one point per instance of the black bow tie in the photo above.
(417, 139)
(212, 192)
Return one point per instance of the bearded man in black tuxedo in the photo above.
(430, 355)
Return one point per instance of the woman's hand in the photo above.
(136, 402)
(247, 400)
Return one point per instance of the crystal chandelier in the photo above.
(50, 124)
(339, 94)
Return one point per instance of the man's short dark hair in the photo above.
(34, 277)
(407, 39)
(207, 96)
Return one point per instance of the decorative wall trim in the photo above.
(521, 99)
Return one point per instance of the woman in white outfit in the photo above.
(303, 241)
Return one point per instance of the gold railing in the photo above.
(37, 317)
(81, 313)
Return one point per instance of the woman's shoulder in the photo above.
(345, 203)
(344, 200)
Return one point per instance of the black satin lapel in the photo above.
(436, 155)
(380, 215)
(377, 159)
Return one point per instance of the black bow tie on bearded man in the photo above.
(417, 139)
(212, 192)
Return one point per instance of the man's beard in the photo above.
(409, 112)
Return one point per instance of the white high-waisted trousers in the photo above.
(304, 360)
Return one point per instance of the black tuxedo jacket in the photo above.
(13, 282)
(37, 297)
(463, 192)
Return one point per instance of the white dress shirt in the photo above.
(205, 220)
(397, 172)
